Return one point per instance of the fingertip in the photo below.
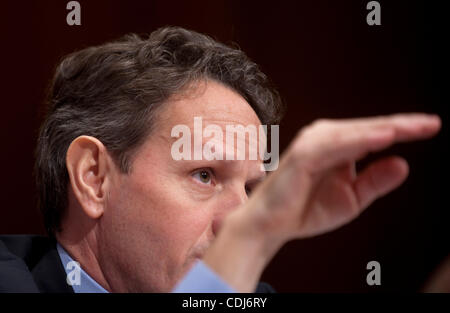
(437, 121)
(401, 162)
(380, 178)
(401, 166)
(434, 123)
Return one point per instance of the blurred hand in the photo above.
(316, 188)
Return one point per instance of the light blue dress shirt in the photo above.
(199, 279)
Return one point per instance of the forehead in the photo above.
(216, 105)
(211, 100)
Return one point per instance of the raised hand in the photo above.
(316, 188)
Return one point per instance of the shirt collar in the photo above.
(85, 283)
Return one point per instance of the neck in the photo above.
(85, 252)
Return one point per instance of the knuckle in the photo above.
(320, 123)
(302, 155)
(314, 127)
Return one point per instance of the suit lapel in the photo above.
(49, 273)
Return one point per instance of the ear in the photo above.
(90, 169)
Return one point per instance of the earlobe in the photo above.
(88, 165)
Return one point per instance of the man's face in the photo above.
(163, 215)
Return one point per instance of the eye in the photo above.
(203, 176)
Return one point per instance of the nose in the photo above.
(232, 200)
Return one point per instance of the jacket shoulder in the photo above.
(264, 288)
(29, 248)
(15, 275)
(30, 263)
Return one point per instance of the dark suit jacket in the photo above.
(30, 263)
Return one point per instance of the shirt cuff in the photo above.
(202, 279)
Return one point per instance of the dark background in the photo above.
(326, 62)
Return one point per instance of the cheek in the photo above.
(162, 213)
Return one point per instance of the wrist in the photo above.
(240, 252)
(252, 234)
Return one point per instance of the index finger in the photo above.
(331, 143)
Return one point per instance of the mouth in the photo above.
(198, 256)
(199, 253)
